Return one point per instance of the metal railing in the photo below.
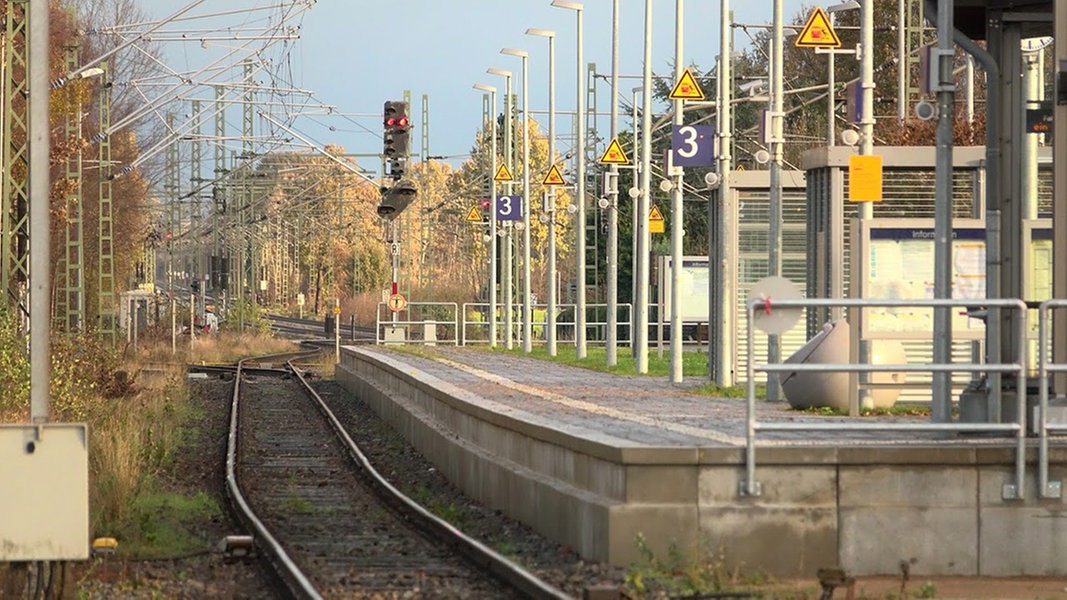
(477, 331)
(422, 323)
(751, 487)
(1046, 488)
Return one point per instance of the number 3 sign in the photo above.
(693, 145)
(509, 208)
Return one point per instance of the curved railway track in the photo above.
(309, 328)
(327, 522)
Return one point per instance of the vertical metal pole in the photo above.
(643, 237)
(527, 309)
(40, 253)
(677, 208)
(864, 210)
(970, 89)
(550, 207)
(105, 230)
(1059, 211)
(509, 160)
(1028, 149)
(721, 345)
(774, 241)
(942, 381)
(580, 142)
(831, 94)
(611, 350)
(902, 61)
(196, 180)
(494, 260)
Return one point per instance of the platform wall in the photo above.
(866, 509)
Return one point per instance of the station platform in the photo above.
(593, 459)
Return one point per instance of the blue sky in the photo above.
(355, 55)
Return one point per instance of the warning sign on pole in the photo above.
(687, 88)
(474, 215)
(503, 174)
(614, 155)
(553, 177)
(817, 32)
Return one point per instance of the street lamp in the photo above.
(527, 323)
(550, 203)
(492, 210)
(509, 162)
(579, 151)
(830, 79)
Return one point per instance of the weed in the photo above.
(682, 573)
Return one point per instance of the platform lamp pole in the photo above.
(527, 323)
(579, 151)
(549, 208)
(509, 154)
(493, 258)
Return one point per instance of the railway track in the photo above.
(329, 525)
(309, 328)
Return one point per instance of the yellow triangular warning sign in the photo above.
(474, 215)
(503, 174)
(687, 88)
(655, 220)
(817, 32)
(614, 154)
(554, 177)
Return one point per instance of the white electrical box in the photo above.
(44, 492)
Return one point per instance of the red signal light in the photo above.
(485, 204)
(390, 121)
(402, 122)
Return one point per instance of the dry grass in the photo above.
(224, 348)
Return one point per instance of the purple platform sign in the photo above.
(693, 145)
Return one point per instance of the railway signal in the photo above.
(396, 126)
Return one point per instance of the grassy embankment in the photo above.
(136, 402)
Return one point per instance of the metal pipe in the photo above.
(992, 186)
(40, 227)
(942, 335)
(774, 236)
(643, 239)
(611, 350)
(677, 209)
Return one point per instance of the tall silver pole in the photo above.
(831, 96)
(509, 162)
(579, 308)
(774, 241)
(969, 103)
(39, 184)
(677, 209)
(942, 383)
(721, 368)
(1059, 211)
(611, 349)
(527, 309)
(864, 210)
(643, 236)
(1032, 74)
(902, 57)
(549, 208)
(493, 258)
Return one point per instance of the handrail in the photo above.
(1046, 488)
(542, 323)
(749, 486)
(453, 323)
